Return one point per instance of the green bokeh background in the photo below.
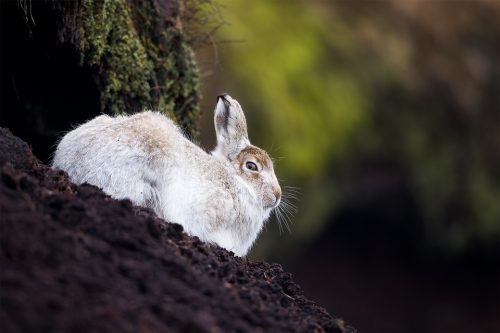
(334, 88)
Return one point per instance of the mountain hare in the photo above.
(223, 197)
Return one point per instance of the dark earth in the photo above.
(75, 260)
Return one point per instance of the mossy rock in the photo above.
(138, 54)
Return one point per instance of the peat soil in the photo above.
(74, 260)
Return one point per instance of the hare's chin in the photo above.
(271, 207)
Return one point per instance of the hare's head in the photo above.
(252, 163)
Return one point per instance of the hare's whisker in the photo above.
(279, 218)
(288, 204)
(282, 220)
(289, 195)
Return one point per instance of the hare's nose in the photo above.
(277, 195)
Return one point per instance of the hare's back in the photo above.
(118, 154)
(151, 131)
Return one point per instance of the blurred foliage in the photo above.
(310, 103)
(331, 85)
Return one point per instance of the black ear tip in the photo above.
(223, 96)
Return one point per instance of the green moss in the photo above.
(140, 58)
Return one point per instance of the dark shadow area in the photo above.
(368, 265)
(44, 90)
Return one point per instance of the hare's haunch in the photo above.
(223, 197)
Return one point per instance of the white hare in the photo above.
(223, 197)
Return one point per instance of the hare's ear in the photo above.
(230, 127)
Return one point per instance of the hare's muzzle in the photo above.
(277, 196)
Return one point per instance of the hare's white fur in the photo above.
(147, 159)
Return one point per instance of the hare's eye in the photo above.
(251, 166)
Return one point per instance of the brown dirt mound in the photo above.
(75, 260)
